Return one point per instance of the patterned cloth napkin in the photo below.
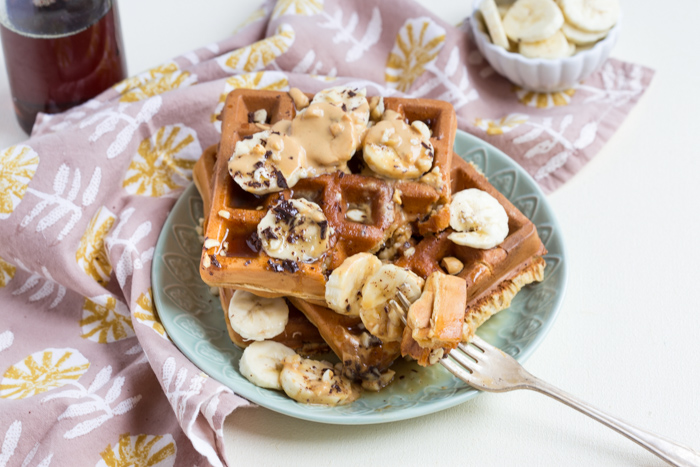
(88, 374)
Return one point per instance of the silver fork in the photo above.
(485, 367)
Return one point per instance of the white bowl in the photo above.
(539, 74)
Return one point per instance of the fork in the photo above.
(488, 368)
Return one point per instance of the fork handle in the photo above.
(670, 451)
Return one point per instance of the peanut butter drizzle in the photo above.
(275, 150)
(402, 137)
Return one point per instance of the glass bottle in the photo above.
(59, 53)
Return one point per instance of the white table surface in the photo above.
(627, 336)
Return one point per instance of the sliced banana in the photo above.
(591, 15)
(350, 100)
(398, 150)
(380, 319)
(532, 20)
(492, 18)
(262, 363)
(579, 36)
(295, 230)
(313, 382)
(257, 318)
(478, 219)
(267, 162)
(344, 286)
(553, 47)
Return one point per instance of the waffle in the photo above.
(493, 278)
(244, 266)
(299, 334)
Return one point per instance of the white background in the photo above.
(627, 337)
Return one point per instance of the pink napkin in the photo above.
(88, 375)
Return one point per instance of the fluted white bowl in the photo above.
(539, 74)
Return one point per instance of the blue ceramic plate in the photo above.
(195, 322)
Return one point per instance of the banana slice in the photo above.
(492, 18)
(267, 162)
(580, 37)
(344, 286)
(313, 382)
(397, 150)
(532, 20)
(591, 15)
(262, 363)
(353, 101)
(478, 219)
(553, 47)
(295, 230)
(380, 319)
(257, 318)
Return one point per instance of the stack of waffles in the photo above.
(335, 202)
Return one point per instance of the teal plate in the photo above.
(195, 322)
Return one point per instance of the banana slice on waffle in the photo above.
(344, 286)
(397, 150)
(532, 20)
(257, 318)
(262, 363)
(314, 382)
(267, 162)
(352, 101)
(380, 319)
(478, 219)
(295, 230)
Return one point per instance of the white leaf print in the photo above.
(452, 62)
(94, 403)
(131, 259)
(86, 427)
(30, 456)
(78, 410)
(115, 390)
(112, 116)
(126, 405)
(543, 147)
(565, 122)
(10, 442)
(529, 136)
(6, 340)
(345, 33)
(45, 290)
(553, 164)
(587, 135)
(101, 379)
(63, 205)
(178, 396)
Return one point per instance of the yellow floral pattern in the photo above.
(140, 451)
(152, 82)
(418, 44)
(7, 272)
(269, 80)
(260, 54)
(297, 7)
(42, 371)
(146, 314)
(17, 167)
(105, 320)
(91, 255)
(543, 100)
(164, 162)
(501, 125)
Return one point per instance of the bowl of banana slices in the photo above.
(545, 45)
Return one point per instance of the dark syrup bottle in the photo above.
(59, 53)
